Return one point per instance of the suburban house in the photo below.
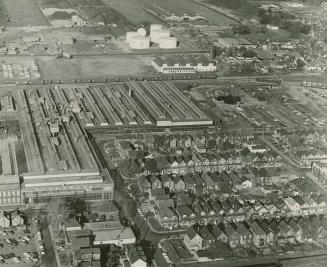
(259, 235)
(193, 240)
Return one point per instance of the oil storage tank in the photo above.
(141, 32)
(155, 27)
(168, 42)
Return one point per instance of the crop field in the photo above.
(90, 67)
(24, 13)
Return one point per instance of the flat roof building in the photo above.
(182, 64)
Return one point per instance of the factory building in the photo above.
(169, 65)
(168, 42)
(139, 42)
(9, 191)
(156, 35)
(60, 159)
(42, 189)
(155, 27)
(138, 39)
(167, 105)
(130, 35)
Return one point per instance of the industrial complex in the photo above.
(158, 36)
(60, 159)
(180, 64)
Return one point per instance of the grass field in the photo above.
(90, 67)
(24, 13)
(133, 10)
(243, 8)
(3, 14)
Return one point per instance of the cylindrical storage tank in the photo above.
(141, 32)
(139, 42)
(129, 35)
(155, 27)
(168, 42)
(158, 34)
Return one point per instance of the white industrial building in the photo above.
(139, 42)
(118, 236)
(90, 185)
(190, 64)
(130, 35)
(141, 32)
(156, 35)
(154, 27)
(168, 42)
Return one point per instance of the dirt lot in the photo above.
(24, 13)
(90, 67)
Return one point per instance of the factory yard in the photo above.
(287, 106)
(92, 67)
(18, 67)
(24, 13)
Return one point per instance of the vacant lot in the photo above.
(24, 13)
(90, 67)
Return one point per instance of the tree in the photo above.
(245, 152)
(249, 53)
(211, 143)
(300, 63)
(78, 205)
(241, 29)
(151, 165)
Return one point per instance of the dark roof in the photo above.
(256, 229)
(243, 230)
(191, 233)
(206, 234)
(133, 254)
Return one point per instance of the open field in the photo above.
(246, 9)
(3, 14)
(24, 13)
(90, 67)
(133, 10)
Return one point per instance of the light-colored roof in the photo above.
(119, 233)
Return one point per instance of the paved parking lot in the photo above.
(13, 247)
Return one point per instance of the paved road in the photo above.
(49, 258)
(283, 155)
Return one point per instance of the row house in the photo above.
(199, 237)
(167, 217)
(193, 210)
(199, 163)
(305, 205)
(308, 157)
(176, 141)
(319, 170)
